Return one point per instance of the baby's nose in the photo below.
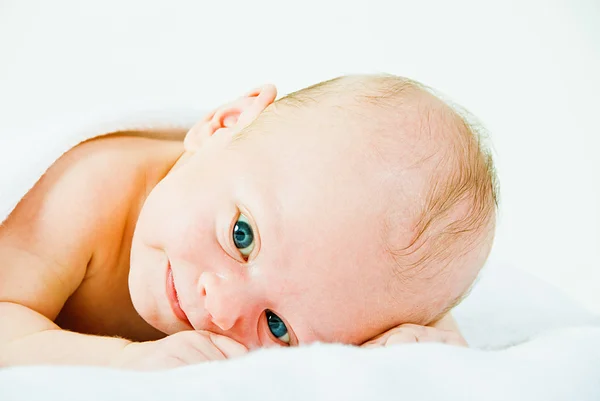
(226, 300)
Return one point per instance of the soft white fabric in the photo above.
(562, 366)
(506, 308)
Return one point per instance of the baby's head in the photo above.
(332, 214)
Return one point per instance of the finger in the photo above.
(206, 347)
(378, 341)
(202, 348)
(405, 337)
(383, 337)
(395, 337)
(402, 337)
(371, 344)
(229, 347)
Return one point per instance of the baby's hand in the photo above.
(179, 349)
(413, 333)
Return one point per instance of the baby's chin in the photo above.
(153, 308)
(147, 307)
(142, 304)
(143, 282)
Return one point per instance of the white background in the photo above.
(528, 69)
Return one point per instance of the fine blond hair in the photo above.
(455, 221)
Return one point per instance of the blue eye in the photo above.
(277, 327)
(243, 236)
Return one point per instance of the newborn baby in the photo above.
(358, 210)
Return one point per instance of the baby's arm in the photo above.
(28, 337)
(34, 285)
(45, 247)
(36, 340)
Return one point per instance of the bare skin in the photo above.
(69, 246)
(72, 247)
(102, 305)
(98, 299)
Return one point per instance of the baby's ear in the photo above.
(230, 118)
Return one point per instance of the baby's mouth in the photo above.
(174, 298)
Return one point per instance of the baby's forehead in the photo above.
(315, 136)
(356, 152)
(389, 149)
(375, 118)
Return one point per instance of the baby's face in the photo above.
(274, 239)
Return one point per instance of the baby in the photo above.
(359, 210)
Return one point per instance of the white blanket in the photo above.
(562, 367)
(506, 309)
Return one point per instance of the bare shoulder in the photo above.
(48, 240)
(69, 198)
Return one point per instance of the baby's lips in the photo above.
(230, 348)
